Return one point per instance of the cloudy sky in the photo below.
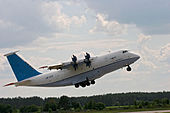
(50, 31)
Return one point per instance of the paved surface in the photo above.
(158, 111)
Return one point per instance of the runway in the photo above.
(157, 111)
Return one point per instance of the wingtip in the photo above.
(11, 53)
(42, 67)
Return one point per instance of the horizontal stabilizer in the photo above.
(21, 83)
(9, 84)
(11, 53)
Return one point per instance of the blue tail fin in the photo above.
(21, 69)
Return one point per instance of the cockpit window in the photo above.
(124, 51)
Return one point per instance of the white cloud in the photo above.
(142, 39)
(51, 43)
(52, 12)
(108, 27)
(165, 54)
(38, 61)
(153, 59)
(150, 18)
(9, 25)
(2, 62)
(147, 54)
(4, 24)
(24, 21)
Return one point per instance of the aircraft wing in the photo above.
(65, 65)
(74, 64)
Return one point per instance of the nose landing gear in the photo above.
(128, 68)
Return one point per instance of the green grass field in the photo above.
(117, 109)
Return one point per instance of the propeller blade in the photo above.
(87, 56)
(87, 60)
(75, 65)
(74, 58)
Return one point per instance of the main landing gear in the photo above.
(92, 82)
(128, 68)
(85, 83)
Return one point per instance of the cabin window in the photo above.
(125, 51)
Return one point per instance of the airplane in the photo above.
(81, 72)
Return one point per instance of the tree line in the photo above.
(97, 102)
(49, 105)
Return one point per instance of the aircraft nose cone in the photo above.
(137, 57)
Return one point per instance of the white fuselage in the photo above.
(99, 66)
